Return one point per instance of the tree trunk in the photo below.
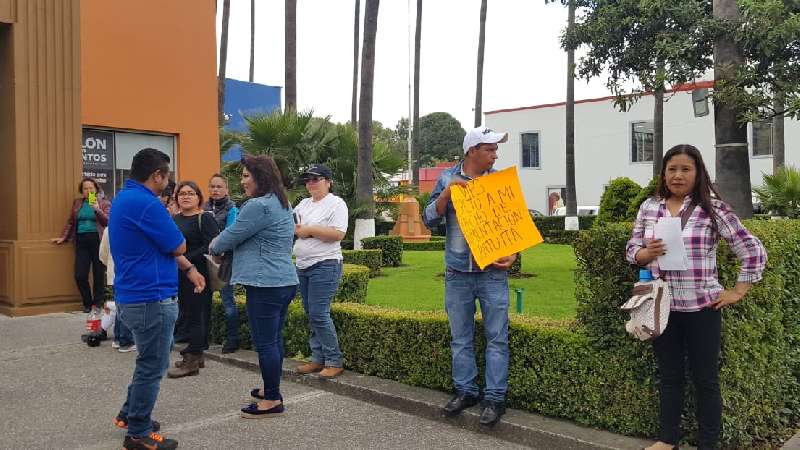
(252, 38)
(479, 82)
(290, 55)
(356, 35)
(364, 182)
(658, 130)
(778, 145)
(571, 200)
(415, 123)
(732, 162)
(223, 61)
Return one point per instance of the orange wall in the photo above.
(150, 65)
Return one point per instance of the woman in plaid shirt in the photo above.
(694, 327)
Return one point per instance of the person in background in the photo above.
(225, 211)
(148, 251)
(321, 226)
(198, 228)
(261, 240)
(85, 226)
(465, 281)
(123, 339)
(694, 329)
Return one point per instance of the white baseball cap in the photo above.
(482, 135)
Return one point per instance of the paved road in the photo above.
(57, 393)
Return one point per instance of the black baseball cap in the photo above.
(317, 170)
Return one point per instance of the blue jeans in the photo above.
(266, 312)
(231, 315)
(491, 289)
(318, 285)
(121, 332)
(152, 325)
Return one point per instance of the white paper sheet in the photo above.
(668, 229)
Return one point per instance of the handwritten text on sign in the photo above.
(494, 217)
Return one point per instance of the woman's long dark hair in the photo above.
(703, 188)
(267, 177)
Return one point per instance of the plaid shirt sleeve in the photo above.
(648, 210)
(748, 248)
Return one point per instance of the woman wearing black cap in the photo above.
(321, 223)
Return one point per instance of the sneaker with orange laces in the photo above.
(122, 422)
(153, 442)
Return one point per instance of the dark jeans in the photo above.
(195, 310)
(698, 335)
(266, 312)
(87, 256)
(231, 315)
(151, 325)
(318, 285)
(121, 332)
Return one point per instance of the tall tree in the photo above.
(479, 82)
(732, 158)
(365, 223)
(569, 151)
(252, 38)
(356, 35)
(290, 54)
(223, 61)
(778, 141)
(415, 127)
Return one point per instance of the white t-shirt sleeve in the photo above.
(339, 216)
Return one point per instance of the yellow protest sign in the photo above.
(493, 216)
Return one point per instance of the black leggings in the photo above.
(195, 310)
(696, 335)
(87, 256)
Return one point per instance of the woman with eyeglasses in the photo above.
(321, 225)
(199, 228)
(261, 241)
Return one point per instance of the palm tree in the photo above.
(479, 83)
(290, 51)
(415, 126)
(365, 223)
(252, 37)
(354, 103)
(732, 162)
(223, 61)
(571, 201)
(658, 130)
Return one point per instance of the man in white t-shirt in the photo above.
(321, 223)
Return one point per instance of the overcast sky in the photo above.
(524, 64)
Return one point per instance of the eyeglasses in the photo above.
(313, 179)
(187, 194)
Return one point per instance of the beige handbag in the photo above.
(649, 309)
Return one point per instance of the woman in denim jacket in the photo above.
(261, 240)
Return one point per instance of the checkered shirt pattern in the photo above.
(698, 286)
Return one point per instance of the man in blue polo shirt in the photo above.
(148, 250)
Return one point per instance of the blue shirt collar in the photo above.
(133, 184)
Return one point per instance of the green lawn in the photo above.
(418, 284)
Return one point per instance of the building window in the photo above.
(762, 138)
(642, 142)
(530, 150)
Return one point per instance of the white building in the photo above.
(611, 144)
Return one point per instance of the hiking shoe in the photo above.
(115, 344)
(331, 372)
(309, 368)
(122, 422)
(153, 442)
(127, 349)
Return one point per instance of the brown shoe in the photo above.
(202, 364)
(309, 368)
(190, 367)
(331, 372)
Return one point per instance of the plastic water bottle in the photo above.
(645, 275)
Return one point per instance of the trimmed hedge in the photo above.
(392, 247)
(590, 371)
(553, 232)
(431, 245)
(616, 200)
(369, 258)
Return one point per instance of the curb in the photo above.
(516, 426)
(793, 443)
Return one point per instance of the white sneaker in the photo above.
(114, 344)
(130, 348)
